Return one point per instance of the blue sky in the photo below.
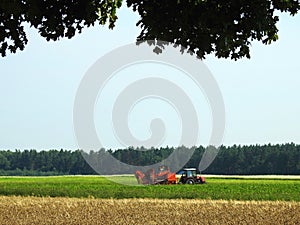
(38, 87)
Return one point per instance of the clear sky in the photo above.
(38, 88)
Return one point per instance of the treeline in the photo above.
(234, 160)
(35, 163)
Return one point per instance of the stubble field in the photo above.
(40, 210)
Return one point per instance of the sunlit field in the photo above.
(100, 187)
(46, 210)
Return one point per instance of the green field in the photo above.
(100, 187)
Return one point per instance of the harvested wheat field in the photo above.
(37, 210)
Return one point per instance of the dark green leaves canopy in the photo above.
(225, 28)
(53, 19)
(205, 26)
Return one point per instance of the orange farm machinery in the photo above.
(165, 176)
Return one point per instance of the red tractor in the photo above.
(189, 176)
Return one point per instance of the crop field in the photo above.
(47, 210)
(100, 187)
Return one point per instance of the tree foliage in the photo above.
(234, 160)
(225, 28)
(53, 19)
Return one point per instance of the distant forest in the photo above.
(278, 159)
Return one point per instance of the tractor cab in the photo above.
(189, 176)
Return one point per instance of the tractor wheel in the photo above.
(190, 181)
